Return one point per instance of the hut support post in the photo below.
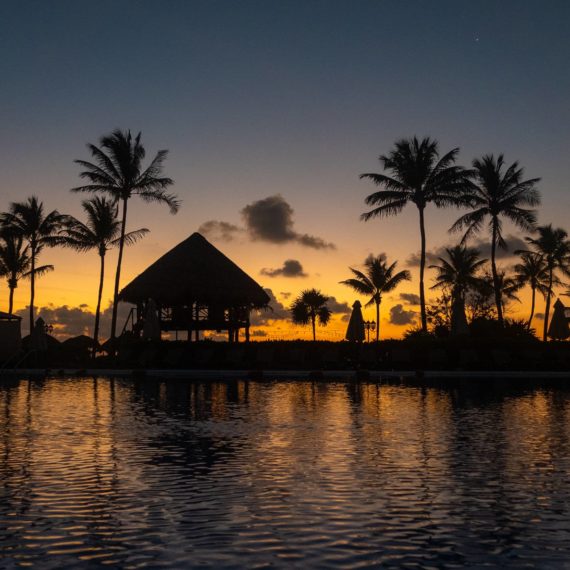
(247, 330)
(197, 323)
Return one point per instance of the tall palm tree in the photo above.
(532, 270)
(498, 193)
(117, 171)
(101, 232)
(378, 278)
(309, 307)
(16, 263)
(38, 229)
(418, 175)
(553, 245)
(458, 273)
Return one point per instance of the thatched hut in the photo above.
(195, 287)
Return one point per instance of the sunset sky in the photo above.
(277, 104)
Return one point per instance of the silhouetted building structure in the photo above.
(10, 335)
(194, 288)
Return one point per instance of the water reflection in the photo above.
(184, 474)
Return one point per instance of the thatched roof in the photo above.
(195, 270)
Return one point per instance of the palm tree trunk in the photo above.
(498, 302)
(313, 319)
(532, 304)
(11, 300)
(547, 309)
(377, 321)
(422, 269)
(32, 286)
(118, 273)
(98, 309)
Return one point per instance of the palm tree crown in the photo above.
(38, 229)
(309, 307)
(417, 175)
(532, 270)
(16, 263)
(498, 192)
(378, 278)
(459, 274)
(553, 245)
(459, 270)
(117, 171)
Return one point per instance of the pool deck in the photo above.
(331, 375)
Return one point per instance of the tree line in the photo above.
(414, 172)
(494, 192)
(115, 174)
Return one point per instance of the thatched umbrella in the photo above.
(355, 330)
(559, 329)
(38, 338)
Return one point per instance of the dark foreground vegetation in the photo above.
(461, 354)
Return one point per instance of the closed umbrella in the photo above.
(151, 328)
(558, 329)
(355, 330)
(38, 338)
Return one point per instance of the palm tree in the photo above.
(553, 245)
(118, 172)
(498, 193)
(459, 274)
(16, 263)
(309, 307)
(418, 175)
(39, 230)
(533, 271)
(101, 232)
(378, 278)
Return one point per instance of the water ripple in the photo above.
(171, 474)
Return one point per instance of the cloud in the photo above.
(513, 243)
(291, 268)
(285, 294)
(259, 333)
(482, 244)
(219, 231)
(70, 321)
(338, 307)
(271, 220)
(399, 316)
(410, 298)
(539, 316)
(277, 311)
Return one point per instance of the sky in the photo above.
(279, 103)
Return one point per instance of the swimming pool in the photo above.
(179, 474)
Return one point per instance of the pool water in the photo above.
(174, 474)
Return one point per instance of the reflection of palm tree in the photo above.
(102, 232)
(39, 230)
(378, 278)
(553, 245)
(495, 194)
(117, 171)
(309, 307)
(458, 273)
(533, 271)
(419, 176)
(16, 263)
